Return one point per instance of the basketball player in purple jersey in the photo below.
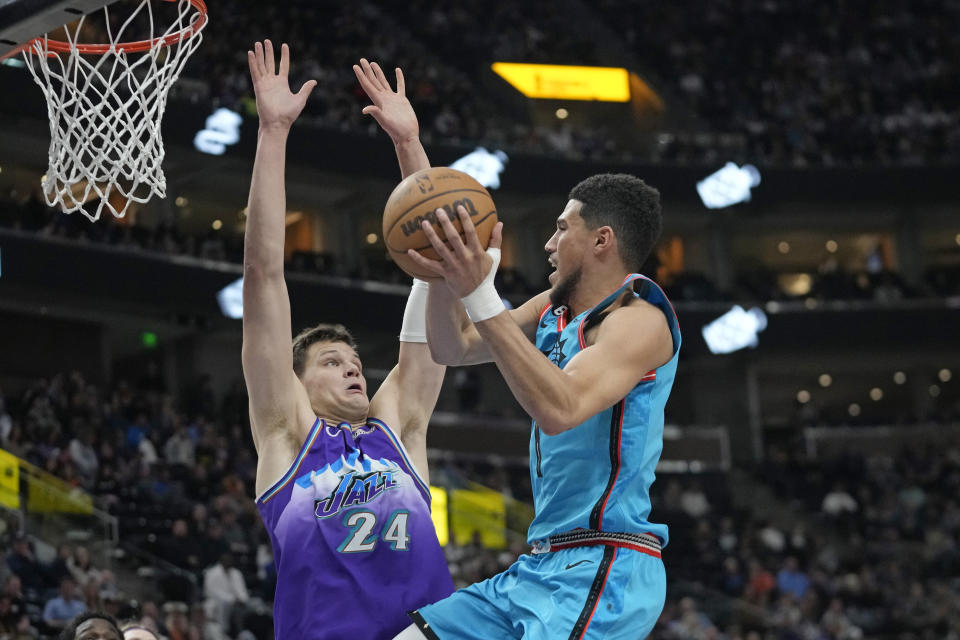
(341, 479)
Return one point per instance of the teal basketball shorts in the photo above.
(582, 593)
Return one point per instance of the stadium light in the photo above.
(728, 186)
(483, 166)
(566, 82)
(230, 299)
(734, 330)
(222, 129)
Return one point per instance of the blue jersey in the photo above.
(353, 540)
(598, 475)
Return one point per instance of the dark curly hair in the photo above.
(626, 204)
(70, 631)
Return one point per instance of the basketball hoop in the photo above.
(106, 102)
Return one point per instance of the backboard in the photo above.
(24, 20)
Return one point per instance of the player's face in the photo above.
(96, 629)
(566, 247)
(333, 376)
(138, 634)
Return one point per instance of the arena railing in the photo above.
(822, 442)
(53, 511)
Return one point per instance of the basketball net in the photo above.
(106, 102)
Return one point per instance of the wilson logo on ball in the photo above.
(410, 227)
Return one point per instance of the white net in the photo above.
(106, 102)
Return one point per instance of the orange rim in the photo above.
(127, 47)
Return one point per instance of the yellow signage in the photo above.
(564, 82)
(438, 512)
(478, 511)
(46, 493)
(9, 480)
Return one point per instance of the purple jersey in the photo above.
(352, 537)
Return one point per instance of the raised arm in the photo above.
(409, 393)
(395, 115)
(278, 401)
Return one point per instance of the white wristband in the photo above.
(484, 302)
(414, 327)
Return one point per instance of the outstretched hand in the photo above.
(391, 109)
(463, 262)
(276, 104)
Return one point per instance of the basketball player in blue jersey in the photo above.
(341, 479)
(592, 360)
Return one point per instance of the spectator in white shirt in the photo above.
(179, 449)
(84, 456)
(6, 422)
(838, 502)
(226, 594)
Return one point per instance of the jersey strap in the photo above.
(404, 456)
(267, 495)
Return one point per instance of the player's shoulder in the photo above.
(636, 313)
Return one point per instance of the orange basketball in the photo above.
(417, 198)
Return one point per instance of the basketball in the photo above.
(417, 198)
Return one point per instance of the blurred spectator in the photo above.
(790, 579)
(84, 457)
(181, 550)
(732, 581)
(760, 583)
(6, 422)
(23, 563)
(58, 568)
(81, 567)
(14, 625)
(226, 594)
(13, 590)
(135, 631)
(835, 622)
(179, 449)
(177, 622)
(690, 623)
(693, 501)
(771, 537)
(58, 612)
(838, 502)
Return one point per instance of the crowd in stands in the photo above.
(828, 280)
(871, 550)
(820, 84)
(803, 84)
(179, 477)
(881, 563)
(158, 472)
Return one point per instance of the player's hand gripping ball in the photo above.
(417, 198)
